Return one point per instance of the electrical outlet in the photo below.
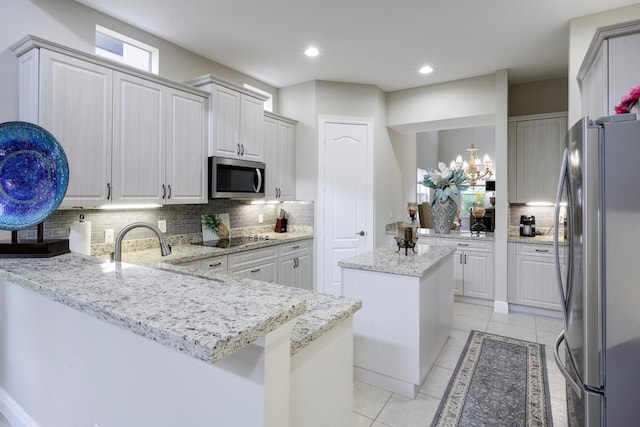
(162, 225)
(260, 218)
(108, 235)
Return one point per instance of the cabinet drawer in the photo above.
(540, 250)
(214, 264)
(464, 244)
(292, 247)
(250, 257)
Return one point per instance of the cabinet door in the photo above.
(304, 271)
(594, 86)
(458, 272)
(287, 271)
(225, 104)
(539, 153)
(75, 106)
(186, 156)
(478, 274)
(624, 63)
(138, 140)
(251, 135)
(272, 163)
(287, 155)
(536, 280)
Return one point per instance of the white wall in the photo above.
(71, 24)
(427, 149)
(306, 102)
(460, 103)
(456, 141)
(404, 146)
(581, 31)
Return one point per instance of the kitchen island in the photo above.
(406, 317)
(128, 345)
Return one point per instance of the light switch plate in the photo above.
(108, 235)
(162, 225)
(260, 218)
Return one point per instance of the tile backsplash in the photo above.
(181, 219)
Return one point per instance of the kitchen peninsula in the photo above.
(104, 336)
(406, 316)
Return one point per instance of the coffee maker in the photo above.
(527, 225)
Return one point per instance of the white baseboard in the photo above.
(13, 412)
(501, 307)
(395, 385)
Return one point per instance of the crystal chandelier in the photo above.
(474, 170)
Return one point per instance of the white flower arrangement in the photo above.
(445, 181)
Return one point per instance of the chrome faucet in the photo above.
(165, 249)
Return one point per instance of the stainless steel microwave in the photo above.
(235, 179)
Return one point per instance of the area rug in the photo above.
(499, 381)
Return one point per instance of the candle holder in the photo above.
(477, 213)
(406, 237)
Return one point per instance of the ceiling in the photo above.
(378, 42)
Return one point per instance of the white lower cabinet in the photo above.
(257, 264)
(535, 276)
(473, 267)
(295, 265)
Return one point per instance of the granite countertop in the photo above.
(322, 313)
(207, 319)
(455, 234)
(387, 259)
(182, 253)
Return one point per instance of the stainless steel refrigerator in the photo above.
(599, 275)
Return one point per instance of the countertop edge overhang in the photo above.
(207, 319)
(387, 259)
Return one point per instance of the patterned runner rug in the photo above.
(499, 381)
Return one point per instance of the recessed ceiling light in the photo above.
(426, 70)
(312, 51)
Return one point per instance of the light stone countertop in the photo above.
(207, 319)
(387, 259)
(455, 234)
(322, 313)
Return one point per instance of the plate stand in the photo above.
(28, 248)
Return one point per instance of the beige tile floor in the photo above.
(375, 407)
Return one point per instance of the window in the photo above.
(268, 104)
(121, 48)
(423, 192)
(469, 197)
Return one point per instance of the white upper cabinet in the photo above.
(138, 140)
(75, 105)
(279, 157)
(536, 144)
(120, 128)
(236, 119)
(610, 68)
(186, 152)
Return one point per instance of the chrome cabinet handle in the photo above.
(295, 247)
(460, 258)
(242, 146)
(169, 192)
(465, 259)
(463, 244)
(542, 250)
(255, 271)
(238, 149)
(164, 192)
(217, 264)
(108, 191)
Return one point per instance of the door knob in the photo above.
(362, 233)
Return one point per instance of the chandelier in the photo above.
(474, 170)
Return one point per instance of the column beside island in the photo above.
(406, 315)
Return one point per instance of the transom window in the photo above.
(121, 48)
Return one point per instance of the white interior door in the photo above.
(345, 195)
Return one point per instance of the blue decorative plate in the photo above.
(34, 175)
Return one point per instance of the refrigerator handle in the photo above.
(556, 225)
(563, 370)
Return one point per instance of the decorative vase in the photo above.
(443, 214)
